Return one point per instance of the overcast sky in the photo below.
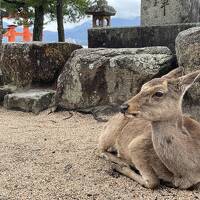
(125, 9)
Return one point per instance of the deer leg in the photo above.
(140, 152)
(114, 159)
(161, 170)
(183, 183)
(122, 167)
(127, 171)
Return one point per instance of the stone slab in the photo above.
(6, 89)
(136, 37)
(161, 12)
(34, 100)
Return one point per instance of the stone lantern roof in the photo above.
(101, 9)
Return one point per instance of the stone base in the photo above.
(29, 101)
(136, 37)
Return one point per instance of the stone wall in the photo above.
(136, 37)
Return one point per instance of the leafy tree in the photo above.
(20, 10)
(69, 10)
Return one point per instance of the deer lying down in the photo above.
(154, 137)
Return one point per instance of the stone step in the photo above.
(33, 100)
(6, 89)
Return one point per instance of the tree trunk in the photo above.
(38, 23)
(60, 26)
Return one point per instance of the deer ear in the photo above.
(176, 73)
(187, 80)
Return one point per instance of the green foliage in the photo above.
(73, 10)
(21, 10)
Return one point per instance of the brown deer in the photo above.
(155, 114)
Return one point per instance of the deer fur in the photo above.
(131, 137)
(154, 136)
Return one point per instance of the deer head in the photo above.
(161, 98)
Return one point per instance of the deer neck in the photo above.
(165, 142)
(165, 127)
(171, 126)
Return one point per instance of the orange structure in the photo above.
(11, 34)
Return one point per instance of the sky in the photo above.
(127, 9)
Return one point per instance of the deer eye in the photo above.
(158, 94)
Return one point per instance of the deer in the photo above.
(153, 136)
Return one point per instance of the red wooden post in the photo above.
(27, 35)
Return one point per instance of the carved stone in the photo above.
(161, 12)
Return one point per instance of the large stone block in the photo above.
(136, 37)
(30, 101)
(188, 56)
(161, 12)
(94, 77)
(25, 63)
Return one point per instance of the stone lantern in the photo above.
(101, 13)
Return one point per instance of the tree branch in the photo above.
(22, 3)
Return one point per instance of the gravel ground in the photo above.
(49, 157)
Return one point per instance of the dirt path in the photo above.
(45, 157)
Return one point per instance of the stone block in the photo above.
(136, 37)
(34, 100)
(25, 63)
(95, 77)
(161, 12)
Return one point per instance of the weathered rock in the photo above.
(30, 101)
(94, 77)
(6, 89)
(25, 63)
(188, 55)
(160, 12)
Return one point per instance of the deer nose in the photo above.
(124, 107)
